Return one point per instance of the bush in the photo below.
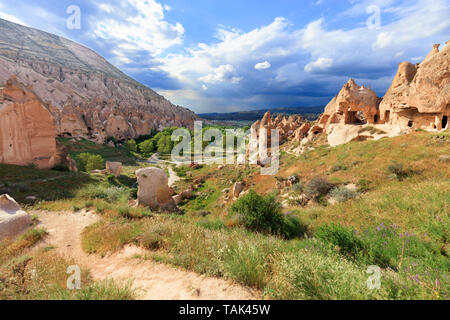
(397, 170)
(112, 179)
(318, 187)
(259, 213)
(147, 147)
(344, 238)
(293, 228)
(88, 162)
(132, 146)
(298, 188)
(343, 194)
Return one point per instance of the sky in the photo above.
(225, 56)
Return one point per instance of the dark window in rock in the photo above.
(444, 122)
(375, 118)
(355, 117)
(410, 123)
(387, 116)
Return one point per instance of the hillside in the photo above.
(86, 94)
(396, 218)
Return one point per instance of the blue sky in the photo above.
(220, 56)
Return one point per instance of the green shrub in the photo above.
(132, 146)
(343, 237)
(397, 170)
(147, 147)
(343, 194)
(112, 179)
(293, 227)
(310, 275)
(87, 162)
(318, 187)
(298, 188)
(259, 213)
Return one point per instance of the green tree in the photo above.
(131, 145)
(165, 144)
(147, 147)
(259, 213)
(87, 162)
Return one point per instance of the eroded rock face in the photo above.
(13, 220)
(27, 130)
(153, 189)
(289, 127)
(87, 96)
(419, 96)
(353, 105)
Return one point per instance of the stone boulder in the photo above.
(177, 199)
(237, 189)
(13, 220)
(153, 190)
(301, 132)
(114, 168)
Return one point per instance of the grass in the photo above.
(342, 240)
(118, 154)
(42, 275)
(297, 269)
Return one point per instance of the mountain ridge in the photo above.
(87, 95)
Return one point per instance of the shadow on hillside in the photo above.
(63, 186)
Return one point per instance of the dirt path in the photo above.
(153, 281)
(173, 177)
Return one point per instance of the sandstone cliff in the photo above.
(419, 96)
(27, 130)
(353, 105)
(86, 95)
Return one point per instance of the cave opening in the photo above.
(375, 118)
(444, 122)
(410, 123)
(355, 117)
(387, 116)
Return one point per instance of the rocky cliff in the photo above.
(86, 95)
(419, 96)
(27, 130)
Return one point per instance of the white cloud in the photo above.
(263, 65)
(146, 30)
(221, 74)
(11, 18)
(218, 62)
(312, 61)
(319, 64)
